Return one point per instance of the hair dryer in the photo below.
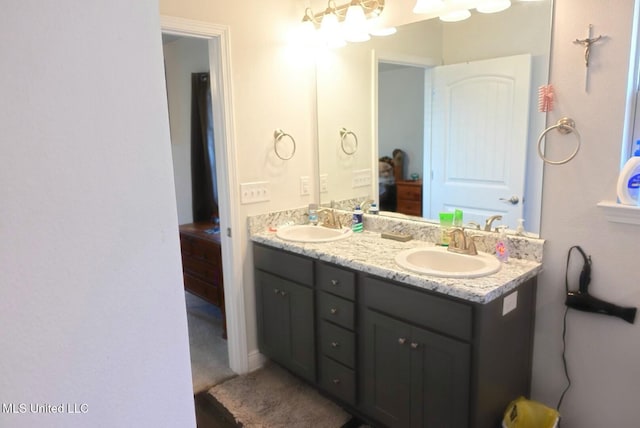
(583, 301)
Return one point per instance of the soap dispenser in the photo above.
(502, 246)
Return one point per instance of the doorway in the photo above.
(217, 38)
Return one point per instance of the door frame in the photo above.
(220, 67)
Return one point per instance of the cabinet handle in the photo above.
(414, 345)
(276, 291)
(334, 311)
(336, 381)
(335, 282)
(402, 340)
(283, 293)
(334, 344)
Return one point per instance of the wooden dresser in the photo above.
(202, 265)
(409, 197)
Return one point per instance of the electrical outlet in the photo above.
(324, 183)
(258, 191)
(361, 178)
(304, 186)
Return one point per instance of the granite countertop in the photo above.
(368, 252)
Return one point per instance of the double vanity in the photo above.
(393, 346)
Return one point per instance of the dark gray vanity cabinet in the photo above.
(285, 310)
(394, 354)
(432, 361)
(413, 376)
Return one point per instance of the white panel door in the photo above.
(479, 138)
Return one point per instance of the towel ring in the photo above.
(343, 136)
(565, 126)
(278, 135)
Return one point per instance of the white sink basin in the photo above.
(310, 233)
(437, 261)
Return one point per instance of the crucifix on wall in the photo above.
(587, 43)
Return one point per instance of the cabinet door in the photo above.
(439, 380)
(286, 323)
(386, 369)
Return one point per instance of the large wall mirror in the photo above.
(454, 105)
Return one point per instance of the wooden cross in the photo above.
(587, 43)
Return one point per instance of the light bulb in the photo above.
(493, 6)
(428, 6)
(455, 16)
(355, 24)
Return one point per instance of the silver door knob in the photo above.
(402, 340)
(512, 200)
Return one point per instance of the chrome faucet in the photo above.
(460, 244)
(331, 220)
(489, 222)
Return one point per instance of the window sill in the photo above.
(619, 213)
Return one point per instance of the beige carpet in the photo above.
(209, 354)
(273, 398)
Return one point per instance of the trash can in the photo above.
(523, 413)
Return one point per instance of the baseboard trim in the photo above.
(256, 360)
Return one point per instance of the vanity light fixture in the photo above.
(354, 21)
(458, 10)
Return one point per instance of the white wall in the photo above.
(182, 57)
(92, 308)
(602, 352)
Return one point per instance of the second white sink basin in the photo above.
(311, 233)
(437, 261)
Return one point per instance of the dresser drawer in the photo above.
(338, 380)
(201, 249)
(336, 309)
(337, 343)
(336, 280)
(413, 193)
(409, 207)
(203, 270)
(211, 293)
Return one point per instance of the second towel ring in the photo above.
(278, 135)
(565, 126)
(343, 136)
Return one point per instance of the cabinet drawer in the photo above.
(336, 310)
(418, 307)
(335, 280)
(287, 265)
(338, 380)
(202, 270)
(337, 343)
(208, 292)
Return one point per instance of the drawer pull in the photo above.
(336, 381)
(335, 282)
(276, 291)
(334, 311)
(414, 345)
(402, 340)
(283, 293)
(334, 344)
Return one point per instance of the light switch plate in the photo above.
(258, 191)
(362, 178)
(304, 186)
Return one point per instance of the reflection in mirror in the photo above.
(404, 94)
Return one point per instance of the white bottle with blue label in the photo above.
(628, 187)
